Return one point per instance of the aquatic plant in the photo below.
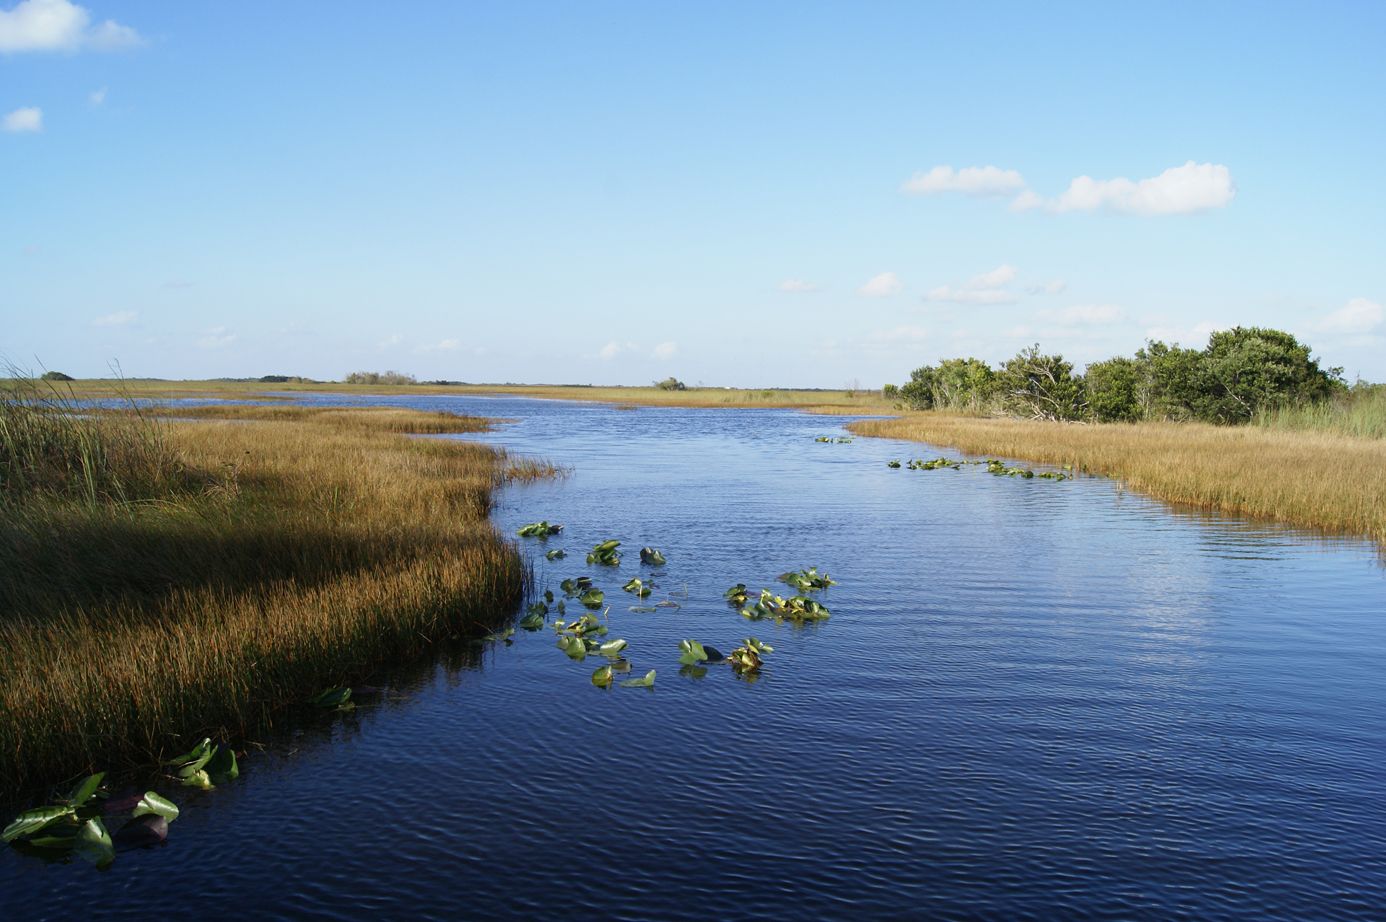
(736, 595)
(798, 608)
(920, 464)
(592, 598)
(638, 586)
(602, 677)
(605, 554)
(652, 557)
(808, 580)
(208, 764)
(692, 653)
(1000, 469)
(892, 463)
(556, 554)
(747, 657)
(538, 530)
(74, 825)
(575, 586)
(333, 699)
(645, 681)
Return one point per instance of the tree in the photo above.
(955, 384)
(56, 376)
(1042, 386)
(671, 384)
(1251, 369)
(1114, 390)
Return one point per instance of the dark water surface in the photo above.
(1033, 699)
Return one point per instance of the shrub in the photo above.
(671, 384)
(379, 377)
(56, 376)
(1114, 390)
(1042, 386)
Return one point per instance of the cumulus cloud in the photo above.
(1357, 316)
(1052, 287)
(27, 119)
(1186, 189)
(880, 286)
(986, 288)
(665, 350)
(614, 348)
(60, 25)
(798, 286)
(118, 319)
(980, 181)
(216, 338)
(1085, 314)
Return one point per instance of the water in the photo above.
(1033, 699)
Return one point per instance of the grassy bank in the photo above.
(845, 402)
(165, 581)
(1318, 479)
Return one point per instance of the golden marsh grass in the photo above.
(299, 549)
(1317, 479)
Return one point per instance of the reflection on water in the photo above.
(1032, 699)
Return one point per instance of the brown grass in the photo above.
(1321, 480)
(289, 554)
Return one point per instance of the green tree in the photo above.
(1042, 386)
(954, 384)
(1251, 369)
(1114, 390)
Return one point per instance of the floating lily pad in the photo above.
(556, 554)
(645, 681)
(736, 595)
(638, 586)
(652, 557)
(605, 554)
(808, 580)
(32, 821)
(533, 621)
(592, 598)
(156, 804)
(538, 530)
(602, 677)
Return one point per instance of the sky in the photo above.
(735, 194)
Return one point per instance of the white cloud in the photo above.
(1357, 316)
(118, 319)
(970, 180)
(665, 350)
(986, 288)
(614, 348)
(59, 25)
(797, 286)
(1194, 337)
(1185, 189)
(216, 337)
(97, 97)
(880, 286)
(442, 345)
(1052, 287)
(1085, 314)
(389, 342)
(27, 119)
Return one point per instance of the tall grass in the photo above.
(1360, 412)
(1317, 479)
(276, 556)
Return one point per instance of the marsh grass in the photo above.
(1321, 480)
(1360, 412)
(165, 581)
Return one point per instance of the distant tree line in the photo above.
(1241, 372)
(380, 377)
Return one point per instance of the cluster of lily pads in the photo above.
(993, 466)
(586, 635)
(841, 439)
(76, 823)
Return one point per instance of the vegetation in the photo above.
(56, 376)
(1359, 411)
(1241, 373)
(380, 377)
(671, 384)
(166, 582)
(1316, 479)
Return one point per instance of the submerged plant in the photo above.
(652, 557)
(538, 530)
(605, 554)
(808, 580)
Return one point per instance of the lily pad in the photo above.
(652, 557)
(85, 788)
(602, 677)
(331, 699)
(556, 554)
(156, 804)
(94, 843)
(605, 554)
(645, 681)
(538, 530)
(807, 580)
(592, 598)
(31, 821)
(638, 586)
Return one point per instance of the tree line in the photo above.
(1239, 373)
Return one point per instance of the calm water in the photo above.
(1033, 699)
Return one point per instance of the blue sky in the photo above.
(735, 194)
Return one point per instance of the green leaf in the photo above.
(85, 789)
(31, 821)
(652, 557)
(199, 779)
(94, 843)
(691, 652)
(556, 554)
(602, 677)
(538, 530)
(194, 759)
(223, 766)
(532, 621)
(592, 598)
(156, 804)
(331, 698)
(646, 681)
(612, 647)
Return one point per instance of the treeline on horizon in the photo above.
(1242, 373)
